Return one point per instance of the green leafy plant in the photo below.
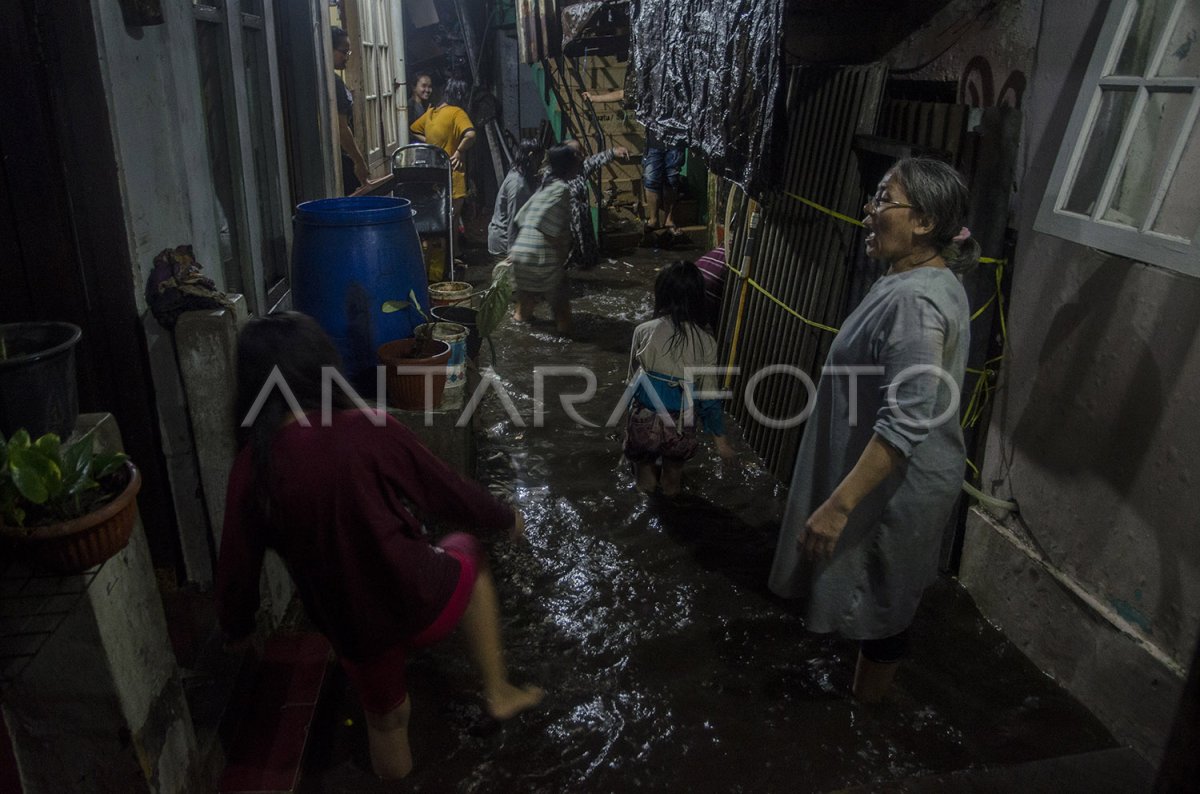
(44, 482)
(424, 334)
(493, 307)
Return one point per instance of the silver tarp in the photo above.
(707, 72)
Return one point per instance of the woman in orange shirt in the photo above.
(448, 126)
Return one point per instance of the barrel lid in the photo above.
(354, 211)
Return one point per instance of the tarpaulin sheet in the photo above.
(575, 18)
(707, 72)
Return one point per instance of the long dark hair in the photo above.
(300, 349)
(528, 159)
(940, 193)
(679, 294)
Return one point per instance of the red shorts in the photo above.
(380, 681)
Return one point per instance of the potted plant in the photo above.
(406, 390)
(482, 322)
(67, 506)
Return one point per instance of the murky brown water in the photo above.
(668, 664)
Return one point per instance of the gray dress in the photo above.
(887, 555)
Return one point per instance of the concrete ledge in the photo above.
(453, 444)
(1070, 636)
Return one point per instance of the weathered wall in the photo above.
(152, 89)
(1096, 435)
(152, 85)
(1095, 431)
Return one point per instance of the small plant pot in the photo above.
(450, 293)
(76, 545)
(406, 390)
(464, 316)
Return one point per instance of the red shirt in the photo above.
(348, 505)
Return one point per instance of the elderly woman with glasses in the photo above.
(881, 462)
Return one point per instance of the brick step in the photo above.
(269, 743)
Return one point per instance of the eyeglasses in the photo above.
(877, 202)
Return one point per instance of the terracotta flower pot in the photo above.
(406, 390)
(78, 544)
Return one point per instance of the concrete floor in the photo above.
(668, 664)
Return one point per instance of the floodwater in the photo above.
(668, 665)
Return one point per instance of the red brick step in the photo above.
(268, 746)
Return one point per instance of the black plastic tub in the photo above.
(38, 391)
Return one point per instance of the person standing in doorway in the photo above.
(354, 165)
(421, 98)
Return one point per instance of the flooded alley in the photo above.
(668, 664)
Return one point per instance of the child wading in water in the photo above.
(344, 500)
(665, 355)
(518, 186)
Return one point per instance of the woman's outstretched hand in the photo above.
(822, 530)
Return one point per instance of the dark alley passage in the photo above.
(668, 664)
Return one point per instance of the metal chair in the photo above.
(423, 175)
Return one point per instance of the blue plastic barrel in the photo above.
(349, 255)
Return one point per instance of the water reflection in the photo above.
(668, 664)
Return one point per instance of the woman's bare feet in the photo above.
(509, 700)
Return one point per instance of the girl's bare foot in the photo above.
(647, 477)
(509, 701)
(672, 478)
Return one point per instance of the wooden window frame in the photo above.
(1143, 243)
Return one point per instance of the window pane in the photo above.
(1144, 34)
(1102, 144)
(1178, 215)
(252, 7)
(1182, 58)
(1153, 141)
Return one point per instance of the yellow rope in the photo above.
(780, 303)
(835, 214)
(826, 210)
(982, 392)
